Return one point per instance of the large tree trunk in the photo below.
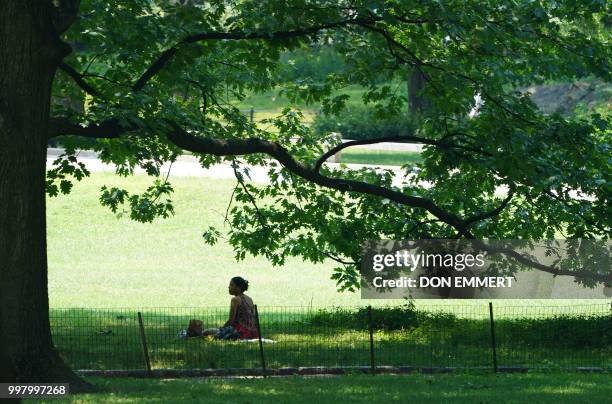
(29, 53)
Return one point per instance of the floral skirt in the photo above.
(246, 332)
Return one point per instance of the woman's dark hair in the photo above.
(242, 283)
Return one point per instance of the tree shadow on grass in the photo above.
(110, 339)
(459, 388)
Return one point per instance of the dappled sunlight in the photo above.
(544, 388)
(92, 339)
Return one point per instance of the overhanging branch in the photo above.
(78, 78)
(166, 55)
(341, 146)
(395, 139)
(235, 147)
(486, 215)
(583, 274)
(108, 129)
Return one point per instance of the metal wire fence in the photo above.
(442, 336)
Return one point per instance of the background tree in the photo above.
(160, 77)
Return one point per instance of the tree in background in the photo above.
(161, 77)
(315, 61)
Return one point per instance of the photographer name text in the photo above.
(445, 282)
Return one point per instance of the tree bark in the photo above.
(30, 51)
(416, 102)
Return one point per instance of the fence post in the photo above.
(252, 114)
(145, 349)
(261, 350)
(493, 345)
(371, 329)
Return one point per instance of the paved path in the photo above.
(389, 146)
(188, 166)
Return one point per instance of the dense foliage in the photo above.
(362, 123)
(161, 77)
(314, 62)
(555, 332)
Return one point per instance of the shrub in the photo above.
(564, 331)
(361, 122)
(558, 332)
(383, 318)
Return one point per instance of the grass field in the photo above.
(271, 100)
(269, 104)
(110, 339)
(98, 260)
(380, 157)
(461, 388)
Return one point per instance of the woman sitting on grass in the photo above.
(241, 323)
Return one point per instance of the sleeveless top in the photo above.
(245, 320)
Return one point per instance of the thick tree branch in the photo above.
(486, 215)
(583, 274)
(78, 78)
(105, 130)
(166, 55)
(237, 147)
(234, 147)
(395, 139)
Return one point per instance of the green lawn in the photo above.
(270, 104)
(110, 339)
(271, 100)
(98, 260)
(380, 157)
(165, 270)
(551, 388)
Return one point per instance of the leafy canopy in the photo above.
(156, 77)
